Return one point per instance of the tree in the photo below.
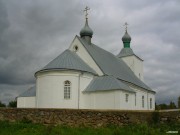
(162, 106)
(2, 104)
(172, 105)
(179, 102)
(12, 104)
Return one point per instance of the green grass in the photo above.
(27, 128)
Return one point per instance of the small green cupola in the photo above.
(86, 32)
(126, 38)
(126, 50)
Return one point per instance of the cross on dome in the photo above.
(126, 24)
(86, 32)
(86, 10)
(126, 38)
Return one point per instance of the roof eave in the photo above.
(62, 69)
(130, 55)
(89, 91)
(150, 90)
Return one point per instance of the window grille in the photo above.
(67, 90)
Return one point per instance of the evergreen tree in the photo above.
(163, 106)
(172, 105)
(179, 102)
(12, 104)
(2, 104)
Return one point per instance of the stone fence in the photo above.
(95, 118)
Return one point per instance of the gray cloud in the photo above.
(32, 33)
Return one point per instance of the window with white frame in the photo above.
(142, 101)
(67, 89)
(126, 97)
(150, 103)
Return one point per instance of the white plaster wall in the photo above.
(84, 55)
(85, 99)
(114, 99)
(126, 105)
(104, 100)
(50, 89)
(136, 65)
(26, 102)
(147, 95)
(150, 95)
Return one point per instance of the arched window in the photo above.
(126, 98)
(142, 101)
(67, 89)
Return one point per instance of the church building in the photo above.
(85, 76)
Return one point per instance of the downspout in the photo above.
(37, 94)
(79, 90)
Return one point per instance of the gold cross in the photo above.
(86, 10)
(126, 24)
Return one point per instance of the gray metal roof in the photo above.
(68, 60)
(103, 83)
(125, 52)
(111, 65)
(29, 93)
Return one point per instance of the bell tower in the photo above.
(129, 57)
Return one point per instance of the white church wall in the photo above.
(84, 55)
(50, 89)
(109, 100)
(26, 102)
(85, 99)
(104, 100)
(99, 100)
(126, 104)
(151, 96)
(139, 100)
(136, 65)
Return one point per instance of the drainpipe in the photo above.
(79, 89)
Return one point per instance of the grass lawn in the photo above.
(20, 128)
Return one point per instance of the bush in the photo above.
(12, 104)
(2, 104)
(155, 117)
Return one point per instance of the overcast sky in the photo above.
(33, 32)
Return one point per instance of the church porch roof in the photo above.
(106, 83)
(29, 93)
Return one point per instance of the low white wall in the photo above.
(26, 102)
